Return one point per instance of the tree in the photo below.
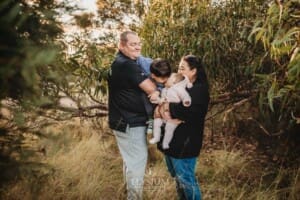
(222, 35)
(279, 69)
(120, 14)
(37, 69)
(28, 32)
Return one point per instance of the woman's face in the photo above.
(185, 69)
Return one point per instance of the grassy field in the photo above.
(77, 160)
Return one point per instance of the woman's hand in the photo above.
(165, 111)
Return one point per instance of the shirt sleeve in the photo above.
(134, 73)
(184, 95)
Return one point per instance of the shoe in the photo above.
(150, 126)
(153, 141)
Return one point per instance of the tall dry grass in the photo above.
(83, 162)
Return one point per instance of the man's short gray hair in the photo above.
(123, 36)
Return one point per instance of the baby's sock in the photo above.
(157, 122)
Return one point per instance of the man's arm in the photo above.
(148, 86)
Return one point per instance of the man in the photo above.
(127, 114)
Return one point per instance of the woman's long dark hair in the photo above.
(195, 63)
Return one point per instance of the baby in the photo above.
(173, 92)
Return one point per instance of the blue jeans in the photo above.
(133, 148)
(184, 172)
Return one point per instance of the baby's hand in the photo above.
(154, 97)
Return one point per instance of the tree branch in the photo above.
(229, 96)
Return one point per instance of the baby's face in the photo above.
(171, 80)
(157, 79)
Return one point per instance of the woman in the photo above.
(185, 146)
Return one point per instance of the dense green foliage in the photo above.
(28, 34)
(217, 33)
(38, 66)
(278, 70)
(249, 49)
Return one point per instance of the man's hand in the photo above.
(154, 97)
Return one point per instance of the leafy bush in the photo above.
(250, 49)
(28, 32)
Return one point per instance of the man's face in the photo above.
(132, 48)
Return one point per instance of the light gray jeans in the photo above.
(133, 148)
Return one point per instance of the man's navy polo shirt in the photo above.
(126, 106)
